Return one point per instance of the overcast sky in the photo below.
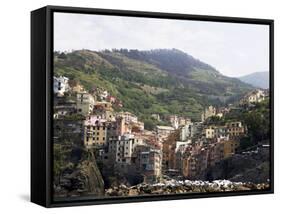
(233, 49)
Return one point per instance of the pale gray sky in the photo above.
(233, 49)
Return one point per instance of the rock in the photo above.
(111, 192)
(84, 179)
(253, 167)
(133, 192)
(181, 187)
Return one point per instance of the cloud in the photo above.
(234, 49)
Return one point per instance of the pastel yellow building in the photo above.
(95, 132)
(230, 147)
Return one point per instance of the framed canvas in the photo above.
(131, 106)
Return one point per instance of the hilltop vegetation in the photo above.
(157, 81)
(257, 120)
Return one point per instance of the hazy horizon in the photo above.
(233, 49)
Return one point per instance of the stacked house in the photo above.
(186, 148)
(85, 103)
(254, 97)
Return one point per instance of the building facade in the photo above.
(121, 148)
(148, 162)
(60, 85)
(235, 129)
(208, 112)
(230, 147)
(95, 132)
(85, 103)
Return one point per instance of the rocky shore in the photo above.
(186, 186)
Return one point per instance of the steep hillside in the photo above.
(171, 60)
(158, 81)
(257, 79)
(252, 167)
(76, 172)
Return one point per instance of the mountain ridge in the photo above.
(257, 79)
(165, 81)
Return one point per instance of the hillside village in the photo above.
(127, 153)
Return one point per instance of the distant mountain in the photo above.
(257, 79)
(164, 81)
(171, 60)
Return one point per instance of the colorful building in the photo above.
(95, 131)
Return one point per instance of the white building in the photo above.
(180, 144)
(253, 97)
(103, 95)
(186, 132)
(129, 117)
(156, 117)
(122, 148)
(208, 112)
(60, 85)
(164, 130)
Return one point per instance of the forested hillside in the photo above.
(165, 81)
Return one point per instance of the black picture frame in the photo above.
(41, 103)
